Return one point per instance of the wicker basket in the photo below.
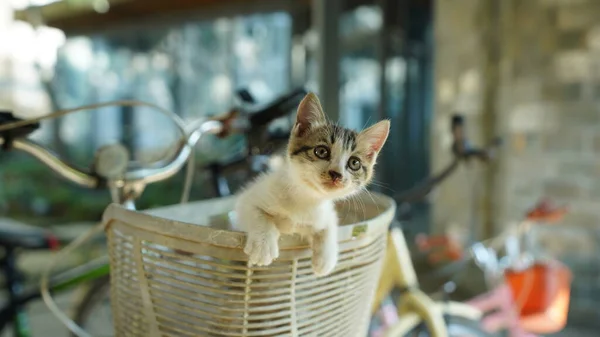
(171, 276)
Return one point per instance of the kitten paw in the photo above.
(262, 248)
(323, 262)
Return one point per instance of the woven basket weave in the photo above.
(171, 276)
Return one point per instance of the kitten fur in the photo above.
(324, 163)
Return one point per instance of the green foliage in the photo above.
(25, 183)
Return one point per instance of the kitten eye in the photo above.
(322, 152)
(354, 164)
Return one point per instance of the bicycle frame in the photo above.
(414, 306)
(500, 302)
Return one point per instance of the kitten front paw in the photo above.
(262, 248)
(324, 260)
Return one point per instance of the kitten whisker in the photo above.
(364, 208)
(345, 213)
(353, 204)
(372, 199)
(386, 187)
(357, 202)
(366, 123)
(379, 183)
(360, 203)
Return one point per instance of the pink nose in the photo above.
(335, 176)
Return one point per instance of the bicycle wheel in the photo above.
(93, 312)
(457, 327)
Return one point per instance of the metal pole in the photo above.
(298, 50)
(383, 54)
(326, 14)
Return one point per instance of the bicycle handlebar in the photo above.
(90, 180)
(152, 175)
(65, 170)
(278, 108)
(462, 151)
(233, 121)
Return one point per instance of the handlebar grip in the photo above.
(544, 211)
(245, 96)
(278, 108)
(457, 121)
(7, 117)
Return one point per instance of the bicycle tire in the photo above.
(457, 327)
(92, 300)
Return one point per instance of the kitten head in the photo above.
(333, 161)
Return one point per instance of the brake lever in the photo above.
(232, 122)
(7, 117)
(544, 211)
(463, 149)
(245, 96)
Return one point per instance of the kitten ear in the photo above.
(310, 113)
(375, 136)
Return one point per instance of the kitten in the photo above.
(324, 163)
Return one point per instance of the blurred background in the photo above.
(527, 71)
(191, 58)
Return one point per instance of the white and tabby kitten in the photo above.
(324, 163)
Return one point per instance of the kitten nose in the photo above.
(335, 175)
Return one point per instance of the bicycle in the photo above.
(512, 306)
(113, 171)
(401, 272)
(419, 314)
(516, 305)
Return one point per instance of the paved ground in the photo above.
(573, 332)
(44, 324)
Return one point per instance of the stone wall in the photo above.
(540, 90)
(550, 99)
(462, 73)
(539, 87)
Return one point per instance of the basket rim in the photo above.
(142, 221)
